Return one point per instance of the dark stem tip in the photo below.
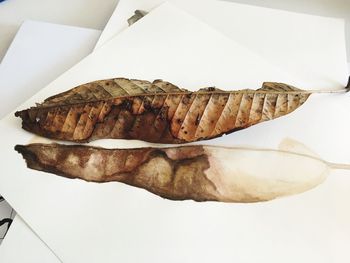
(347, 88)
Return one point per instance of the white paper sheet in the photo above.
(22, 245)
(27, 81)
(38, 66)
(309, 47)
(126, 220)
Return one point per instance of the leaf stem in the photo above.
(344, 90)
(329, 91)
(339, 166)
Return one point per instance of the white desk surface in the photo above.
(94, 13)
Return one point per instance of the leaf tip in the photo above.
(22, 150)
(29, 156)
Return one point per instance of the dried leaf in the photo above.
(156, 112)
(200, 173)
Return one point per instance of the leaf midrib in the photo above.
(247, 91)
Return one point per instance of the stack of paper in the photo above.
(193, 44)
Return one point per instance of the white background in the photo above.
(95, 13)
(237, 214)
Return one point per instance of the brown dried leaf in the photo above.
(156, 112)
(200, 173)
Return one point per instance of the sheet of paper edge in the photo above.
(27, 80)
(19, 230)
(313, 79)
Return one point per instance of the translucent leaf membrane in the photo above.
(247, 175)
(200, 173)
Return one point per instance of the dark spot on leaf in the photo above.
(163, 113)
(198, 118)
(186, 99)
(211, 89)
(147, 105)
(127, 104)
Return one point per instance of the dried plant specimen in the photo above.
(200, 173)
(156, 112)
